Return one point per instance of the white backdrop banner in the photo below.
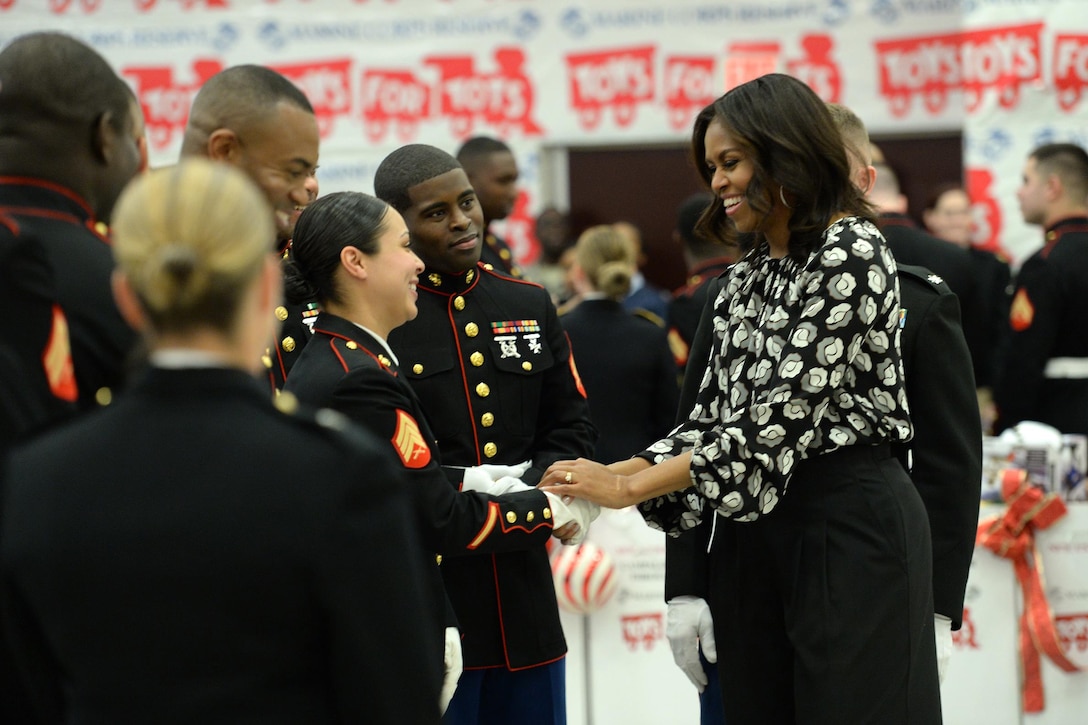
(1008, 73)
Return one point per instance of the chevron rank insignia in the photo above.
(409, 442)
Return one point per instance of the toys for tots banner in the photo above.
(1009, 73)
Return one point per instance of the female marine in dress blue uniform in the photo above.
(351, 254)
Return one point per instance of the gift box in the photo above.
(1055, 462)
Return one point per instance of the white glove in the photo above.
(482, 478)
(689, 625)
(452, 666)
(942, 631)
(496, 471)
(579, 510)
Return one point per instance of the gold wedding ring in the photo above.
(568, 477)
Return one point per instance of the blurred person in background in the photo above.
(1044, 373)
(624, 359)
(947, 216)
(706, 259)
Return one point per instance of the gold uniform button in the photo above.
(476, 358)
(547, 512)
(483, 390)
(490, 449)
(435, 278)
(417, 369)
(281, 313)
(530, 516)
(103, 396)
(384, 360)
(471, 275)
(511, 516)
(438, 559)
(459, 302)
(489, 267)
(472, 329)
(487, 420)
(267, 360)
(351, 345)
(102, 228)
(504, 253)
(286, 403)
(527, 366)
(288, 344)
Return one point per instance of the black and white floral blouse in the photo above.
(805, 359)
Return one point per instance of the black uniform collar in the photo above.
(25, 193)
(450, 284)
(338, 327)
(183, 383)
(1063, 226)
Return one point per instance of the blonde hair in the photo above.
(190, 238)
(608, 259)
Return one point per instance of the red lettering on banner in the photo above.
(1072, 632)
(617, 79)
(503, 99)
(689, 87)
(393, 97)
(1002, 59)
(964, 637)
(519, 231)
(985, 211)
(60, 7)
(147, 5)
(1070, 69)
(327, 85)
(817, 69)
(164, 101)
(747, 61)
(644, 629)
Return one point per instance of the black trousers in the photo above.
(823, 609)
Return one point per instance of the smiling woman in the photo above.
(351, 253)
(818, 575)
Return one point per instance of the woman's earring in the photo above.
(782, 196)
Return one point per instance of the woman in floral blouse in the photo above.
(820, 559)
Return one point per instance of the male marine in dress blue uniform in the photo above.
(1045, 372)
(494, 373)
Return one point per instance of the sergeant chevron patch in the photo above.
(409, 442)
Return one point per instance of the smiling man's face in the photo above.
(445, 221)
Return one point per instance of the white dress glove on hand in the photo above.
(452, 666)
(689, 625)
(579, 511)
(942, 631)
(483, 478)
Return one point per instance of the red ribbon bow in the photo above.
(1012, 536)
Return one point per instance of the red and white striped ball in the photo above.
(584, 575)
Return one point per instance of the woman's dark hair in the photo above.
(793, 143)
(324, 229)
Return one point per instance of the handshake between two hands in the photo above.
(571, 518)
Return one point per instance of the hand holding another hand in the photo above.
(588, 480)
(577, 513)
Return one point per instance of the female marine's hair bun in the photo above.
(188, 238)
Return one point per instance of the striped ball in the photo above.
(584, 575)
